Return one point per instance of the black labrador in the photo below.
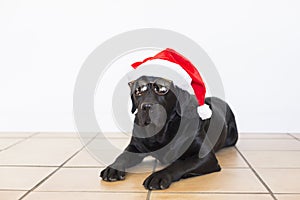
(168, 127)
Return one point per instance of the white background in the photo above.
(255, 46)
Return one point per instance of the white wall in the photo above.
(254, 44)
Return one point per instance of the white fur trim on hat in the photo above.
(204, 112)
(182, 80)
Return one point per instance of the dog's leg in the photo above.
(182, 168)
(116, 171)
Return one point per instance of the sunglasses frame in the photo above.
(151, 84)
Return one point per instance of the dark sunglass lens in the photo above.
(140, 90)
(160, 89)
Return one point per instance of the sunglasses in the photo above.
(159, 86)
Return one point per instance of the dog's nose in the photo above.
(146, 106)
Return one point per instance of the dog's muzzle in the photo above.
(152, 114)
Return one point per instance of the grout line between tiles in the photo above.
(294, 137)
(287, 193)
(140, 192)
(14, 137)
(226, 193)
(20, 141)
(266, 138)
(71, 137)
(67, 138)
(90, 167)
(93, 191)
(43, 166)
(257, 175)
(49, 175)
(102, 166)
(29, 134)
(13, 190)
(269, 150)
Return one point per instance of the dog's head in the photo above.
(150, 94)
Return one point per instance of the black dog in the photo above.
(168, 127)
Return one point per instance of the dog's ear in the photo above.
(134, 104)
(133, 108)
(186, 105)
(130, 84)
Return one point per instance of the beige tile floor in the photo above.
(57, 166)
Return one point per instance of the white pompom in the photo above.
(204, 112)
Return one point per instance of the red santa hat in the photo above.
(196, 81)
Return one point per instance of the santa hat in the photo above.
(196, 81)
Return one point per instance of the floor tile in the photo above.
(268, 144)
(230, 158)
(87, 160)
(107, 150)
(273, 159)
(84, 159)
(227, 157)
(15, 134)
(22, 178)
(188, 196)
(228, 180)
(41, 152)
(108, 143)
(114, 135)
(288, 196)
(56, 135)
(297, 135)
(276, 158)
(6, 142)
(81, 134)
(87, 179)
(85, 196)
(281, 180)
(264, 136)
(11, 195)
(65, 134)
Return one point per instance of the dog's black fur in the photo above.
(181, 145)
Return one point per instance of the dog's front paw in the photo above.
(111, 174)
(158, 181)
